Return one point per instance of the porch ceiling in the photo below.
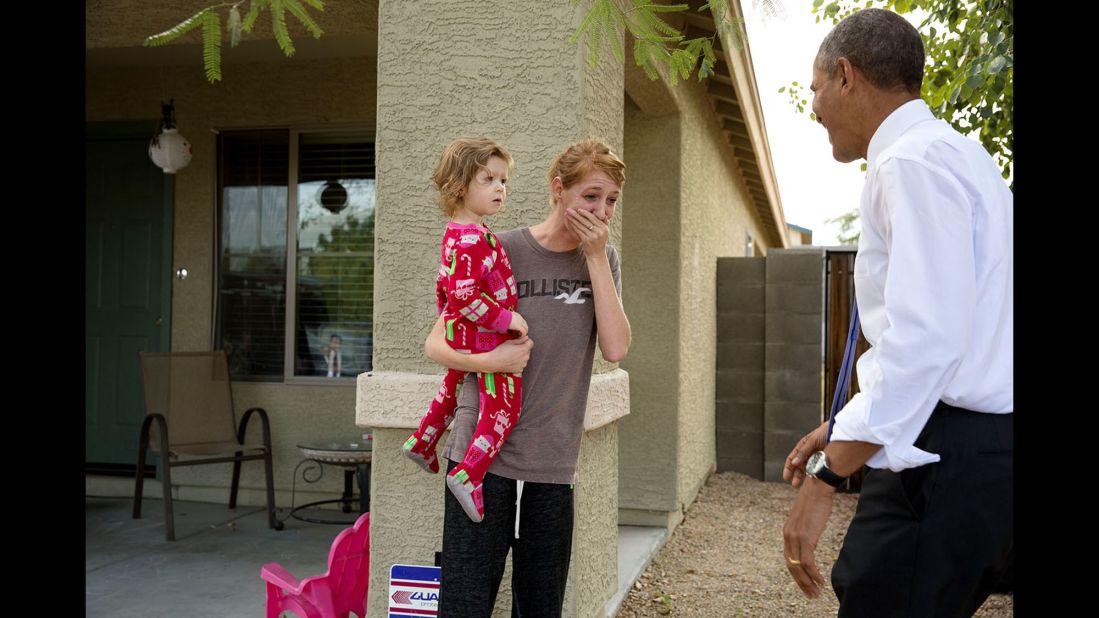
(266, 50)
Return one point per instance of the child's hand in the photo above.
(518, 324)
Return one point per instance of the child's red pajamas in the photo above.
(475, 293)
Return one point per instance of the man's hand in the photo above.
(794, 468)
(801, 533)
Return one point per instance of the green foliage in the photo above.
(727, 22)
(664, 600)
(601, 25)
(234, 26)
(656, 43)
(344, 261)
(848, 222)
(968, 76)
(253, 14)
(797, 99)
(278, 24)
(178, 30)
(210, 22)
(211, 46)
(297, 10)
(970, 64)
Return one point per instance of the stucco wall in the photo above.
(717, 211)
(647, 437)
(691, 208)
(593, 576)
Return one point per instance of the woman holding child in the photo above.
(568, 288)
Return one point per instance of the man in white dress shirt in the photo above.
(933, 530)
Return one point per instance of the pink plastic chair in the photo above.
(340, 590)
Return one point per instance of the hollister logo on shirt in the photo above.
(574, 298)
(572, 291)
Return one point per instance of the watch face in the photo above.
(815, 463)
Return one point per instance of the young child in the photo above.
(476, 295)
(332, 356)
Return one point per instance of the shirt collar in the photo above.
(895, 125)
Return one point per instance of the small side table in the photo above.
(354, 456)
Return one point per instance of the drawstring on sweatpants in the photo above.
(518, 502)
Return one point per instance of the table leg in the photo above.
(348, 474)
(363, 470)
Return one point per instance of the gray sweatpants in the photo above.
(474, 553)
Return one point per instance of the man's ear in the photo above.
(847, 72)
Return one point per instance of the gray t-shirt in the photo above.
(555, 298)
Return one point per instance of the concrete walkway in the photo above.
(212, 569)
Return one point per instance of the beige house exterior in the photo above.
(797, 235)
(700, 185)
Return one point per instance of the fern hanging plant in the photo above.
(209, 20)
(656, 43)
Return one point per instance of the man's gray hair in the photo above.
(882, 45)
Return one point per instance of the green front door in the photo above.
(127, 283)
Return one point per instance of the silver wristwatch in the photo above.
(817, 467)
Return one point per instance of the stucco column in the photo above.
(505, 70)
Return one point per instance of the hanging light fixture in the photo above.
(169, 150)
(333, 197)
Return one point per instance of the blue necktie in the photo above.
(844, 379)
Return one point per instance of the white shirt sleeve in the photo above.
(926, 220)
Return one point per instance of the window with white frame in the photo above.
(295, 254)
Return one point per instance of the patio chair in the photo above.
(189, 413)
(340, 590)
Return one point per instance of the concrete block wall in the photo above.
(741, 285)
(769, 357)
(793, 357)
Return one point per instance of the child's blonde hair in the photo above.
(581, 158)
(458, 166)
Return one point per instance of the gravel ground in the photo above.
(725, 558)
